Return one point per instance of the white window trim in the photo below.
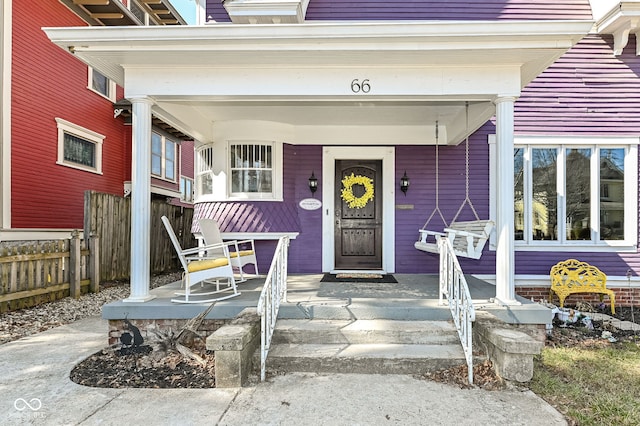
(112, 86)
(276, 169)
(65, 126)
(163, 160)
(630, 242)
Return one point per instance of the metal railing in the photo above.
(453, 286)
(273, 293)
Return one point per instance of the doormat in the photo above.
(358, 278)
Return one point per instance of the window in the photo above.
(163, 157)
(78, 147)
(102, 85)
(239, 170)
(251, 168)
(186, 189)
(575, 192)
(204, 170)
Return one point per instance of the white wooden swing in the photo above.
(468, 238)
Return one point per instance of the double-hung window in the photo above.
(78, 147)
(163, 157)
(575, 193)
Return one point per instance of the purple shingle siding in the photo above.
(216, 11)
(588, 91)
(472, 10)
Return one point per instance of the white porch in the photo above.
(370, 84)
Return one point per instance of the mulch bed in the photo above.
(109, 369)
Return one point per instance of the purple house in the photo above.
(524, 113)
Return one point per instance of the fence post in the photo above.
(74, 264)
(94, 262)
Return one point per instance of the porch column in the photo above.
(505, 275)
(140, 199)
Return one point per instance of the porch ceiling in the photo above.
(300, 75)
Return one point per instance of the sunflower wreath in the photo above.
(347, 191)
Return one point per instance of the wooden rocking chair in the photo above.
(239, 258)
(209, 265)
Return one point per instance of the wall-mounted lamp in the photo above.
(404, 183)
(313, 183)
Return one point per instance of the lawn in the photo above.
(591, 381)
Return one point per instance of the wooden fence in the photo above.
(109, 218)
(38, 272)
(43, 271)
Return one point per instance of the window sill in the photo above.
(594, 248)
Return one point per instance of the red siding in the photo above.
(49, 83)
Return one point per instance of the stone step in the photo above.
(351, 309)
(364, 346)
(364, 332)
(380, 358)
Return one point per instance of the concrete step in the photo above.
(352, 309)
(364, 332)
(381, 358)
(380, 346)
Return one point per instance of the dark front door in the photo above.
(358, 215)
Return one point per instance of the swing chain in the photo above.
(437, 208)
(467, 199)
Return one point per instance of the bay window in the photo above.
(239, 170)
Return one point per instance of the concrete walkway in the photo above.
(35, 389)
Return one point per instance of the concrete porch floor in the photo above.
(413, 297)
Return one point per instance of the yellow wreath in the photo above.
(347, 192)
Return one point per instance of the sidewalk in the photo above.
(35, 389)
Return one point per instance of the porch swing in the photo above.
(468, 238)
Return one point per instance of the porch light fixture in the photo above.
(313, 183)
(404, 183)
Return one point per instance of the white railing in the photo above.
(453, 286)
(273, 293)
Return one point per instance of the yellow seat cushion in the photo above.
(241, 253)
(201, 265)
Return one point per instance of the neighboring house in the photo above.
(63, 123)
(544, 90)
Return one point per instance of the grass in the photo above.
(591, 385)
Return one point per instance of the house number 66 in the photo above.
(360, 87)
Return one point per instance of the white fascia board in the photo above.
(110, 48)
(480, 82)
(620, 21)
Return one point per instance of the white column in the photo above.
(140, 199)
(505, 265)
(5, 113)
